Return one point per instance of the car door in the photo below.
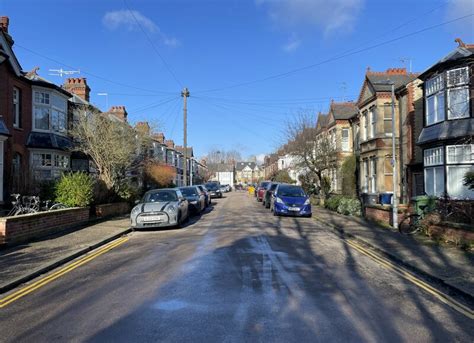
(182, 204)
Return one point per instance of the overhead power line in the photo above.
(155, 49)
(336, 58)
(91, 74)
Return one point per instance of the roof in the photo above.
(44, 140)
(180, 149)
(463, 51)
(5, 45)
(447, 129)
(343, 110)
(239, 166)
(398, 80)
(37, 80)
(322, 121)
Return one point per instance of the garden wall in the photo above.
(383, 214)
(110, 210)
(26, 227)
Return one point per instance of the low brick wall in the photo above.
(451, 234)
(26, 227)
(110, 210)
(383, 214)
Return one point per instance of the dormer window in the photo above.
(435, 107)
(49, 112)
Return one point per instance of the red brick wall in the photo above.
(26, 227)
(381, 214)
(109, 210)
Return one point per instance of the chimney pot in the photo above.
(4, 22)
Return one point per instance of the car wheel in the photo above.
(275, 213)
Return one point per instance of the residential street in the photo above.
(237, 274)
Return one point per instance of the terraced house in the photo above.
(375, 131)
(448, 123)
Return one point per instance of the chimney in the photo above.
(120, 112)
(143, 127)
(170, 143)
(78, 86)
(160, 137)
(396, 71)
(4, 21)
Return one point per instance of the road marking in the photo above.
(44, 281)
(461, 308)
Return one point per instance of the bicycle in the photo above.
(53, 207)
(24, 206)
(411, 224)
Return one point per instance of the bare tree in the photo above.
(114, 146)
(313, 152)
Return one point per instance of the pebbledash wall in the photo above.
(22, 228)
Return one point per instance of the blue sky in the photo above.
(210, 45)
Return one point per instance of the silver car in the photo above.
(159, 208)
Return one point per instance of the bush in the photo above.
(75, 189)
(283, 177)
(333, 202)
(349, 206)
(348, 169)
(343, 205)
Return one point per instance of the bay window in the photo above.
(435, 107)
(387, 120)
(49, 165)
(373, 175)
(459, 160)
(365, 184)
(49, 112)
(373, 122)
(434, 171)
(345, 139)
(458, 103)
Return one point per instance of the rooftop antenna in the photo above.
(61, 72)
(404, 60)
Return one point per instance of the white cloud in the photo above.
(331, 16)
(131, 20)
(293, 43)
(460, 8)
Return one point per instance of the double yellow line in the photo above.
(44, 281)
(413, 279)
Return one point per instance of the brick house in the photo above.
(248, 172)
(15, 119)
(448, 123)
(375, 131)
(336, 127)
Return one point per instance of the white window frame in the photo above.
(469, 158)
(55, 169)
(467, 102)
(373, 175)
(387, 116)
(464, 71)
(365, 183)
(366, 124)
(16, 107)
(436, 192)
(435, 88)
(433, 157)
(373, 122)
(46, 102)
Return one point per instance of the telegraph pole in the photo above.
(185, 95)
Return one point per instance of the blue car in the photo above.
(290, 200)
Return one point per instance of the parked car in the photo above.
(214, 190)
(159, 208)
(267, 196)
(206, 192)
(223, 188)
(228, 188)
(195, 197)
(290, 200)
(261, 190)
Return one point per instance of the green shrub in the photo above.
(75, 189)
(348, 169)
(349, 206)
(333, 202)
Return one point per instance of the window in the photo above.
(387, 120)
(458, 103)
(366, 128)
(366, 176)
(373, 122)
(373, 175)
(48, 165)
(435, 99)
(388, 166)
(455, 187)
(433, 157)
(16, 108)
(460, 153)
(457, 77)
(434, 181)
(345, 139)
(50, 112)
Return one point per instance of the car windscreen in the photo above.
(211, 187)
(189, 191)
(273, 186)
(160, 196)
(264, 184)
(291, 191)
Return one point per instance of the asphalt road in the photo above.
(237, 274)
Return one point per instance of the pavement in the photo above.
(234, 274)
(21, 263)
(447, 264)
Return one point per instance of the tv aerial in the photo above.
(61, 72)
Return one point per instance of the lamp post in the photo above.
(394, 160)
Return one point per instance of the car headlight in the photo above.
(171, 208)
(135, 210)
(194, 202)
(307, 202)
(278, 200)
